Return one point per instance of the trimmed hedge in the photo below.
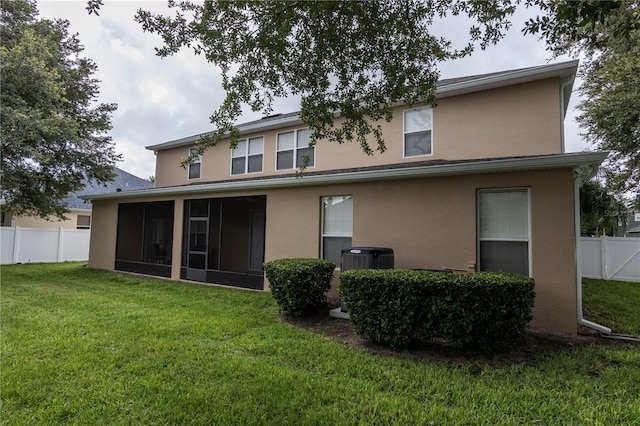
(394, 307)
(299, 285)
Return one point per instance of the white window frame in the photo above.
(528, 240)
(295, 150)
(405, 132)
(324, 234)
(197, 160)
(246, 155)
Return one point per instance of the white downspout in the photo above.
(563, 111)
(579, 177)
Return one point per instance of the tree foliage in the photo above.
(585, 26)
(607, 34)
(610, 115)
(601, 213)
(355, 59)
(53, 131)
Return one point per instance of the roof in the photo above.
(376, 173)
(565, 71)
(123, 181)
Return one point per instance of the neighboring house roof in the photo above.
(447, 87)
(385, 172)
(123, 181)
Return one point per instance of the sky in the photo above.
(162, 99)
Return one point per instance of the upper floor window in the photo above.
(83, 222)
(418, 124)
(194, 167)
(293, 149)
(246, 157)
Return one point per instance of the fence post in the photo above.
(604, 247)
(16, 244)
(60, 244)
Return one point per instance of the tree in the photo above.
(355, 59)
(610, 115)
(53, 132)
(601, 213)
(608, 35)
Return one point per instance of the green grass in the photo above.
(88, 347)
(615, 304)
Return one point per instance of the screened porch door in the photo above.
(197, 247)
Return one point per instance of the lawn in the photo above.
(88, 347)
(615, 304)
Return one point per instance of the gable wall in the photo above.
(515, 120)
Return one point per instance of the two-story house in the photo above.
(479, 182)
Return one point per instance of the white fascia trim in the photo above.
(472, 167)
(562, 69)
(244, 130)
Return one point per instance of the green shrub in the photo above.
(394, 307)
(299, 285)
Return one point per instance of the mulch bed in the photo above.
(533, 345)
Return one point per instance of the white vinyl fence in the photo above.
(610, 258)
(27, 245)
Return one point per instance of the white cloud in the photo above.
(126, 51)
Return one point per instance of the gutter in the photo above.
(252, 128)
(582, 174)
(510, 77)
(482, 166)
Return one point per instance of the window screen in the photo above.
(503, 230)
(417, 131)
(337, 226)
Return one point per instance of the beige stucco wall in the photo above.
(37, 222)
(431, 223)
(517, 120)
(102, 245)
(428, 222)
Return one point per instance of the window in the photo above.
(246, 157)
(504, 231)
(194, 167)
(417, 131)
(83, 222)
(293, 148)
(337, 226)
